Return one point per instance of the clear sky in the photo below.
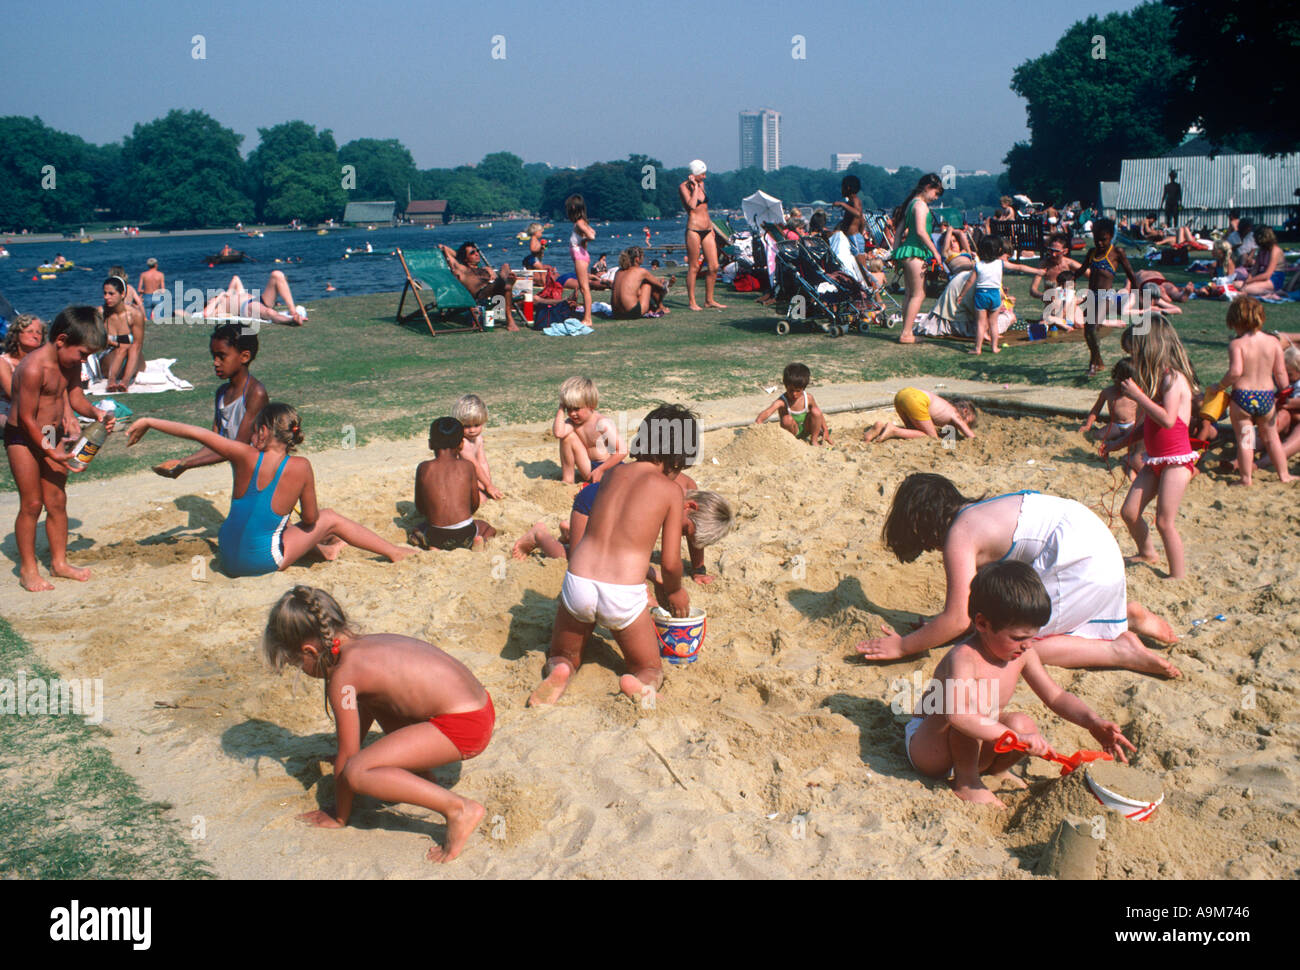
(918, 83)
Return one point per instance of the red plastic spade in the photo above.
(1009, 742)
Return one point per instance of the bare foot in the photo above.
(460, 826)
(417, 538)
(35, 582)
(716, 305)
(525, 544)
(1145, 623)
(906, 338)
(693, 306)
(330, 548)
(874, 431)
(552, 688)
(1151, 560)
(1134, 656)
(67, 571)
(1008, 780)
(635, 688)
(980, 795)
(997, 350)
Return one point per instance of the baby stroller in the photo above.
(820, 296)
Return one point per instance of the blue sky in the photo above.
(924, 84)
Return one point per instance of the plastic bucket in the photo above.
(1130, 809)
(1038, 331)
(680, 639)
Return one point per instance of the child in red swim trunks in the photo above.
(432, 710)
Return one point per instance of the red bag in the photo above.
(746, 283)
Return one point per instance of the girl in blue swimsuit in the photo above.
(256, 537)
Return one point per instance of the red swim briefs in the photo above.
(470, 731)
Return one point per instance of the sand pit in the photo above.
(775, 755)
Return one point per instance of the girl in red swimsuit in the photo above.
(1163, 391)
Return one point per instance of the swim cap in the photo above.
(698, 167)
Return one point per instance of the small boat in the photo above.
(234, 256)
(254, 235)
(4, 253)
(322, 232)
(350, 252)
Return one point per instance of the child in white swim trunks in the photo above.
(1121, 411)
(636, 504)
(960, 717)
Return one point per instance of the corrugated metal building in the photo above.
(1107, 196)
(1261, 187)
(371, 212)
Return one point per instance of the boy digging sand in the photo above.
(799, 413)
(605, 582)
(589, 442)
(37, 458)
(1008, 605)
(447, 494)
(923, 415)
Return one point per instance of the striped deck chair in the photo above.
(436, 292)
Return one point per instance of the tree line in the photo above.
(185, 170)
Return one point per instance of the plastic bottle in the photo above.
(92, 439)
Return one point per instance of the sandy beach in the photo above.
(776, 755)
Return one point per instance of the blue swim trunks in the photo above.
(988, 298)
(1255, 403)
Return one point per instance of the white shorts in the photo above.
(908, 731)
(608, 604)
(1079, 563)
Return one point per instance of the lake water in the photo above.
(183, 259)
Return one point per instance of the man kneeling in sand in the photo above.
(638, 293)
(637, 503)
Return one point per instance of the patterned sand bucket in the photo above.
(679, 640)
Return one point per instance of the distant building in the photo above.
(760, 139)
(1262, 188)
(842, 160)
(423, 212)
(370, 212)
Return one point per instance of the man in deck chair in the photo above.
(482, 282)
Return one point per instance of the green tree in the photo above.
(385, 169)
(1101, 95)
(295, 173)
(47, 177)
(1220, 43)
(185, 170)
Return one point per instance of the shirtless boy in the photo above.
(1008, 605)
(923, 415)
(589, 441)
(605, 583)
(48, 379)
(471, 412)
(124, 330)
(482, 281)
(447, 494)
(637, 293)
(152, 287)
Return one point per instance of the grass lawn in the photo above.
(354, 369)
(66, 810)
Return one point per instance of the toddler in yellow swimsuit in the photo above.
(923, 415)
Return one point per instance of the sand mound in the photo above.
(786, 753)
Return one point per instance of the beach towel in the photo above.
(156, 377)
(571, 327)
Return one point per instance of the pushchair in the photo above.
(820, 296)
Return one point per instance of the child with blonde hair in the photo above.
(1256, 372)
(1163, 389)
(432, 709)
(256, 537)
(589, 441)
(471, 412)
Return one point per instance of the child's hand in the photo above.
(679, 604)
(1130, 388)
(888, 647)
(1087, 425)
(137, 430)
(1104, 449)
(320, 819)
(61, 456)
(106, 418)
(172, 468)
(1110, 738)
(1036, 745)
(495, 492)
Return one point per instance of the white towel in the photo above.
(156, 377)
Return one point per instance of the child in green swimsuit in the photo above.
(799, 413)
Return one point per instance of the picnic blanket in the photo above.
(156, 377)
(572, 327)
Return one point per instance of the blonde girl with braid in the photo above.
(256, 537)
(432, 709)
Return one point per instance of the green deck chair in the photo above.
(436, 291)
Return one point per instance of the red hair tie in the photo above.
(335, 646)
